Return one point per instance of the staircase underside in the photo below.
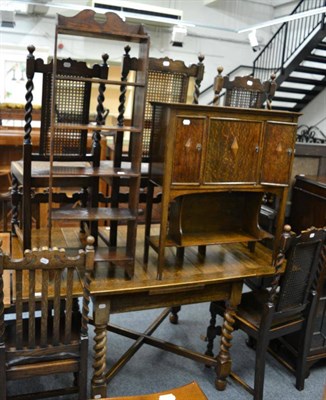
(304, 77)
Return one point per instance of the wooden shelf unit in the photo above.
(214, 165)
(111, 27)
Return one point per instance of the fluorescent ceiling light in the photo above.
(285, 19)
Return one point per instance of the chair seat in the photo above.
(252, 306)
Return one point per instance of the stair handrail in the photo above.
(286, 40)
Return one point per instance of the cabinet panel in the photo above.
(188, 145)
(278, 152)
(232, 151)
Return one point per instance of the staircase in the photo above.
(297, 55)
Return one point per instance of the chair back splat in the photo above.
(244, 91)
(48, 335)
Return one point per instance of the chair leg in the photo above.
(302, 371)
(174, 314)
(212, 330)
(3, 386)
(82, 378)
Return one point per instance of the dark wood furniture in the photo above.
(219, 277)
(243, 91)
(286, 308)
(48, 334)
(186, 392)
(167, 80)
(308, 202)
(88, 172)
(63, 143)
(309, 208)
(214, 165)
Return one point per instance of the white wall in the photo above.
(220, 46)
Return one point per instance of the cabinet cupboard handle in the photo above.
(198, 147)
(257, 149)
(290, 151)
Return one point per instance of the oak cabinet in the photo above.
(214, 165)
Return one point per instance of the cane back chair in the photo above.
(69, 143)
(48, 335)
(244, 91)
(167, 81)
(288, 306)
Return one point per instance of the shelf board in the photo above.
(204, 238)
(111, 254)
(93, 214)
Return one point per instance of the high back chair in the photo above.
(244, 91)
(68, 143)
(287, 307)
(48, 335)
(167, 81)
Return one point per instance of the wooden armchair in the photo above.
(287, 307)
(244, 91)
(49, 334)
(63, 139)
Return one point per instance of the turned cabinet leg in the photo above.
(224, 361)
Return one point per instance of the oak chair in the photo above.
(167, 81)
(287, 307)
(68, 145)
(244, 91)
(191, 391)
(49, 333)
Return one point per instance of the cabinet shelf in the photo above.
(93, 214)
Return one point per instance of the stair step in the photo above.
(316, 58)
(296, 90)
(305, 100)
(93, 214)
(321, 46)
(311, 70)
(305, 81)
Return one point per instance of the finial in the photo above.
(105, 58)
(220, 70)
(201, 57)
(127, 49)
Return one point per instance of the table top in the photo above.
(222, 264)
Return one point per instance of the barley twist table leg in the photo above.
(223, 367)
(101, 319)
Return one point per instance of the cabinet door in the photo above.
(232, 151)
(188, 149)
(278, 152)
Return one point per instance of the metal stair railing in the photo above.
(287, 40)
